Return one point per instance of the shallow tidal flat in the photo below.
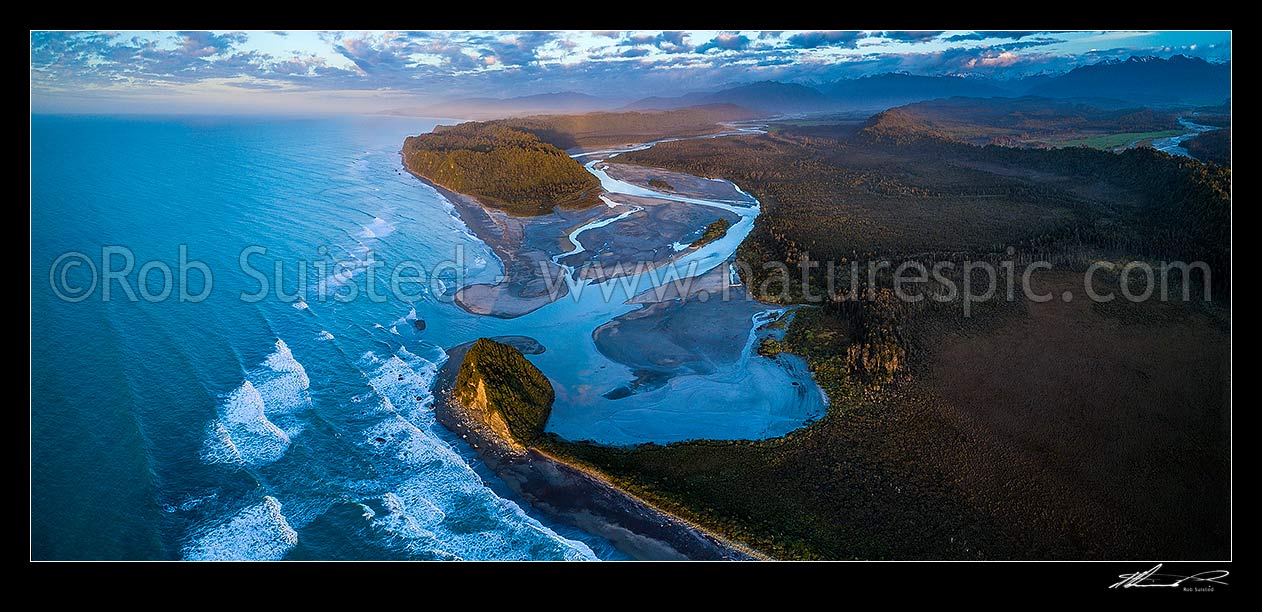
(683, 185)
(663, 357)
(526, 246)
(645, 239)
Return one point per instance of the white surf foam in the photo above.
(430, 494)
(244, 432)
(379, 228)
(257, 533)
(345, 271)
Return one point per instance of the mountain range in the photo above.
(1142, 81)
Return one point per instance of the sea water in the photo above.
(236, 429)
(264, 418)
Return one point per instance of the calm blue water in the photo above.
(236, 429)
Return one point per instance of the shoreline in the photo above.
(573, 494)
(567, 492)
(522, 289)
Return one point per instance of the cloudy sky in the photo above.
(306, 71)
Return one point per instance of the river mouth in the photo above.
(652, 339)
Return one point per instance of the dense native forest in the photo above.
(866, 480)
(518, 165)
(1213, 146)
(886, 194)
(502, 167)
(511, 386)
(882, 194)
(712, 232)
(1029, 121)
(879, 476)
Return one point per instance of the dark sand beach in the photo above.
(574, 495)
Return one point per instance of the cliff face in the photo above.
(498, 402)
(506, 391)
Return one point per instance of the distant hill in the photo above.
(495, 108)
(1025, 121)
(895, 89)
(1116, 84)
(616, 129)
(1144, 80)
(667, 102)
(769, 97)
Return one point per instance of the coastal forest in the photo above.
(502, 167)
(977, 436)
(992, 434)
(501, 378)
(520, 165)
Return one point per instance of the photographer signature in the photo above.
(1151, 578)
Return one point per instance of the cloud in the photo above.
(260, 85)
(726, 41)
(989, 60)
(372, 54)
(911, 35)
(836, 38)
(669, 41)
(1026, 44)
(80, 65)
(205, 44)
(519, 49)
(985, 34)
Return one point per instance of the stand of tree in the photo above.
(878, 475)
(511, 387)
(1213, 146)
(502, 167)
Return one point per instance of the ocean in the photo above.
(227, 427)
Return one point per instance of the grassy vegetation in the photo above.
(511, 386)
(502, 167)
(1109, 142)
(657, 183)
(712, 232)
